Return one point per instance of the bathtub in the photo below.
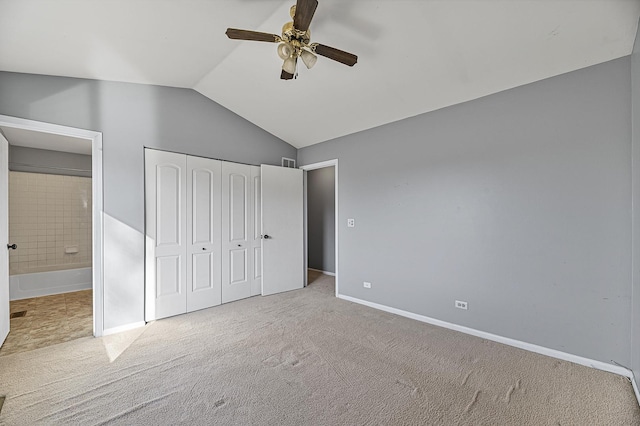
(24, 286)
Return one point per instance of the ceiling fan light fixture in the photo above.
(285, 51)
(308, 58)
(289, 65)
(295, 41)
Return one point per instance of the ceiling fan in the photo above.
(295, 41)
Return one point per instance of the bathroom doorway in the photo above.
(51, 223)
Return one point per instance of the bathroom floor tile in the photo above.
(49, 320)
(47, 301)
(79, 312)
(76, 334)
(21, 323)
(79, 295)
(22, 305)
(48, 312)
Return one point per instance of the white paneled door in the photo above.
(282, 227)
(204, 229)
(166, 272)
(237, 230)
(4, 237)
(256, 240)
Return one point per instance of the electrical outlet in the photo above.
(351, 223)
(367, 285)
(461, 305)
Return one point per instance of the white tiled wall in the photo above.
(47, 214)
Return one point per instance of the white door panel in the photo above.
(203, 270)
(282, 225)
(165, 186)
(204, 276)
(169, 179)
(168, 276)
(239, 265)
(237, 231)
(256, 243)
(4, 239)
(238, 206)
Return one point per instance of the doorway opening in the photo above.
(55, 221)
(321, 224)
(50, 234)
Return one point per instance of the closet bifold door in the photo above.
(256, 241)
(204, 228)
(166, 225)
(237, 232)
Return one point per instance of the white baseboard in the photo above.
(122, 328)
(333, 274)
(599, 365)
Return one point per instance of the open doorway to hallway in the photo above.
(321, 213)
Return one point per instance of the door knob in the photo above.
(266, 237)
(12, 246)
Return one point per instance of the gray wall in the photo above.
(23, 159)
(321, 225)
(131, 117)
(635, 86)
(518, 203)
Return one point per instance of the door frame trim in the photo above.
(315, 166)
(97, 202)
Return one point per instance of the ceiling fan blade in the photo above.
(304, 14)
(286, 76)
(237, 34)
(336, 54)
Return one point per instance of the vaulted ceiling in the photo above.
(414, 56)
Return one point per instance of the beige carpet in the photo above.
(303, 358)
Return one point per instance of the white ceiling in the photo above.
(414, 56)
(49, 141)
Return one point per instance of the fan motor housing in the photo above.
(290, 33)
